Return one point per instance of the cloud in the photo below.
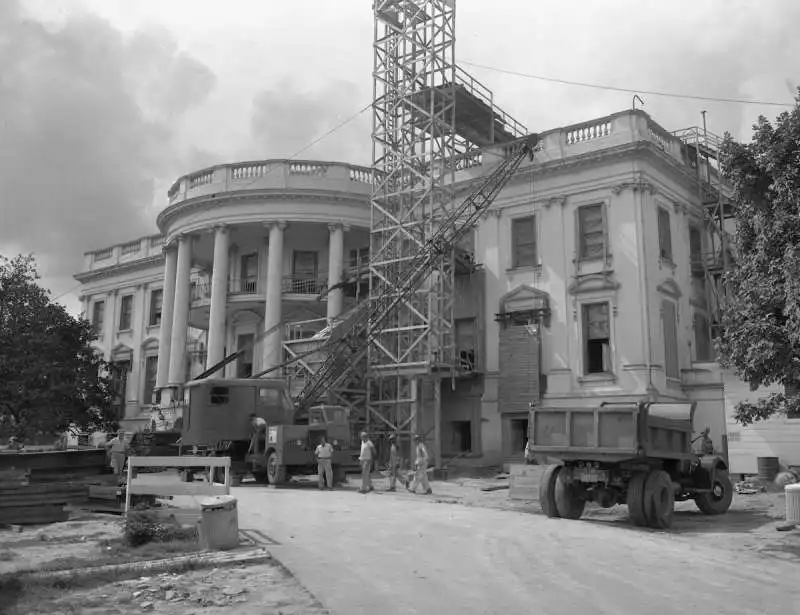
(89, 126)
(286, 119)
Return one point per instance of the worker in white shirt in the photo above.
(324, 454)
(421, 467)
(366, 458)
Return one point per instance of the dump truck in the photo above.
(638, 454)
(216, 421)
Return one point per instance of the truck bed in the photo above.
(613, 431)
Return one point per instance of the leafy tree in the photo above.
(761, 317)
(50, 376)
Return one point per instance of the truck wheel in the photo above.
(276, 473)
(569, 503)
(635, 500)
(659, 500)
(547, 491)
(718, 500)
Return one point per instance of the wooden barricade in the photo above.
(171, 486)
(524, 482)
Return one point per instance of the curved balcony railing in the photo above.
(243, 286)
(273, 174)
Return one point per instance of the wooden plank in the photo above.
(138, 487)
(181, 516)
(31, 515)
(179, 462)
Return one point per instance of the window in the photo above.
(664, 235)
(126, 313)
(304, 272)
(119, 380)
(359, 258)
(98, 312)
(523, 242)
(669, 318)
(244, 364)
(695, 245)
(150, 371)
(702, 339)
(219, 396)
(592, 231)
(156, 304)
(597, 339)
(270, 397)
(249, 273)
(462, 437)
(465, 343)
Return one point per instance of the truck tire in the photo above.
(547, 491)
(569, 503)
(276, 473)
(635, 500)
(718, 500)
(659, 500)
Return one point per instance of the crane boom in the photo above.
(349, 341)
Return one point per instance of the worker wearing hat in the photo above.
(421, 467)
(366, 458)
(394, 463)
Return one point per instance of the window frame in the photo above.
(667, 365)
(581, 233)
(664, 226)
(517, 243)
(151, 319)
(122, 314)
(584, 330)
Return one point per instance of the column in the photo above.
(109, 323)
(272, 349)
(335, 268)
(167, 310)
(219, 297)
(180, 317)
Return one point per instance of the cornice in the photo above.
(118, 269)
(193, 205)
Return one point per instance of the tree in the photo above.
(50, 376)
(761, 314)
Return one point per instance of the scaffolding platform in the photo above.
(477, 118)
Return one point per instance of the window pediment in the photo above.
(670, 288)
(524, 298)
(593, 282)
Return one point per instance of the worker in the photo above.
(394, 463)
(117, 451)
(14, 444)
(421, 467)
(324, 454)
(259, 426)
(366, 458)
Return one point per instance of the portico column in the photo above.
(272, 315)
(180, 318)
(335, 268)
(219, 297)
(167, 310)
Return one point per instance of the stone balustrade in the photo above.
(141, 248)
(272, 174)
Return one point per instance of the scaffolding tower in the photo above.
(429, 117)
(712, 251)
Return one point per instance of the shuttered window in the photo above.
(591, 231)
(523, 242)
(664, 235)
(669, 320)
(126, 313)
(156, 304)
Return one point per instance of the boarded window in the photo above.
(669, 320)
(523, 242)
(156, 304)
(702, 339)
(519, 368)
(126, 313)
(695, 245)
(591, 231)
(597, 338)
(244, 365)
(664, 235)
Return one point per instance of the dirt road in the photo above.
(397, 554)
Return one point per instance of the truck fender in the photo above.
(705, 473)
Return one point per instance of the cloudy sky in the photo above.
(103, 103)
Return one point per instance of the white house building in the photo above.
(592, 274)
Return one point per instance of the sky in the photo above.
(104, 103)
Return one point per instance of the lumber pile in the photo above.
(35, 488)
(524, 482)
